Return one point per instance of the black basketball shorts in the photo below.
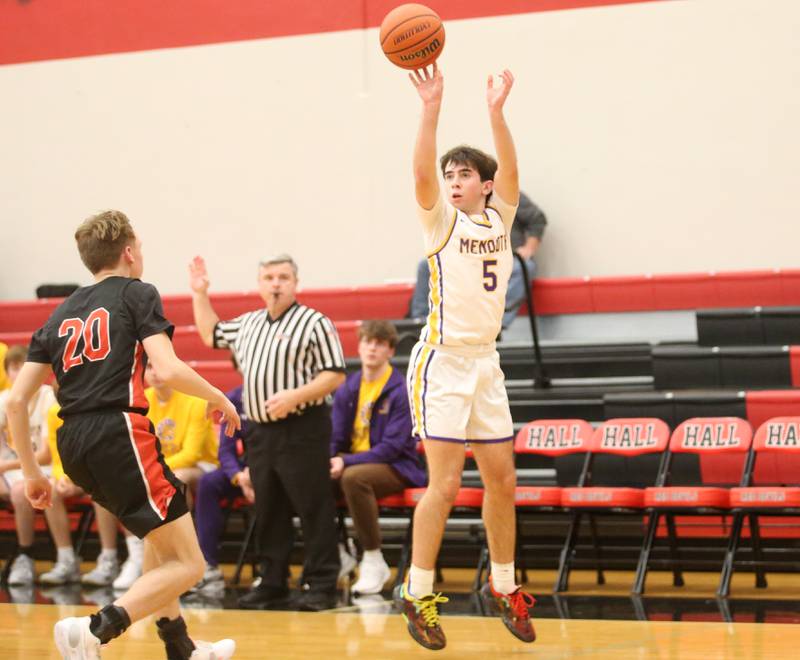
(116, 458)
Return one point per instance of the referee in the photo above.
(291, 360)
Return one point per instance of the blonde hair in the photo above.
(102, 238)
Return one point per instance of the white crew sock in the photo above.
(420, 581)
(107, 553)
(503, 578)
(66, 555)
(135, 547)
(373, 557)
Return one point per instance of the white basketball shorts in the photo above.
(457, 397)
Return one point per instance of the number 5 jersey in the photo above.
(470, 260)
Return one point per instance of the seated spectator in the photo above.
(189, 445)
(12, 481)
(4, 382)
(67, 566)
(526, 235)
(187, 436)
(229, 481)
(373, 451)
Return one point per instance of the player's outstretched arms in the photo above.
(182, 377)
(205, 318)
(38, 489)
(429, 84)
(506, 180)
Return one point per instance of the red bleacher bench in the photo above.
(466, 497)
(599, 496)
(765, 496)
(688, 496)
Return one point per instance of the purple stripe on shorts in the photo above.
(434, 437)
(425, 390)
(490, 441)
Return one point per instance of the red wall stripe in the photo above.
(35, 30)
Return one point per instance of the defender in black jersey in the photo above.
(97, 343)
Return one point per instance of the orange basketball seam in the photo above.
(395, 27)
(414, 45)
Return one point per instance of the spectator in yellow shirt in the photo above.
(187, 436)
(12, 481)
(4, 382)
(189, 445)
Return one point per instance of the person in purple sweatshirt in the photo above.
(373, 452)
(230, 480)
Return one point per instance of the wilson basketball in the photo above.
(412, 36)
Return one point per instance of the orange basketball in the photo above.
(412, 36)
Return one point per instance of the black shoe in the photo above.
(316, 600)
(264, 598)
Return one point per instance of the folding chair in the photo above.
(627, 440)
(468, 501)
(552, 438)
(727, 440)
(777, 441)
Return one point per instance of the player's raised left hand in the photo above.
(39, 492)
(496, 95)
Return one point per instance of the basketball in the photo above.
(412, 36)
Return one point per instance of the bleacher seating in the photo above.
(747, 324)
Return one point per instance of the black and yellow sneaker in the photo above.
(422, 617)
(513, 609)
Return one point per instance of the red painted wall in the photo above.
(34, 30)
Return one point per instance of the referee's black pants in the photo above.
(289, 464)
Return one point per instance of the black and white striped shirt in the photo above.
(279, 354)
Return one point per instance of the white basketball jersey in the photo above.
(470, 260)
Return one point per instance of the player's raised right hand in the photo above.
(429, 83)
(230, 418)
(198, 275)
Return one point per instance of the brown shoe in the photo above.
(422, 617)
(513, 609)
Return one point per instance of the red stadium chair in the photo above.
(779, 438)
(627, 438)
(553, 438)
(721, 437)
(468, 502)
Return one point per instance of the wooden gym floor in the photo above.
(368, 629)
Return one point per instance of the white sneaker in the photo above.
(63, 572)
(347, 561)
(74, 639)
(221, 650)
(372, 575)
(130, 572)
(104, 574)
(22, 572)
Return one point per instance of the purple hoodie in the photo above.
(389, 428)
(231, 460)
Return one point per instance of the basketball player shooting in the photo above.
(455, 383)
(98, 342)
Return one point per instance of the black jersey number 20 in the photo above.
(96, 338)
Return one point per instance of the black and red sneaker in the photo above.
(422, 617)
(512, 608)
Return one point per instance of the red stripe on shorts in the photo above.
(159, 490)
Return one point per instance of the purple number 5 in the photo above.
(489, 278)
